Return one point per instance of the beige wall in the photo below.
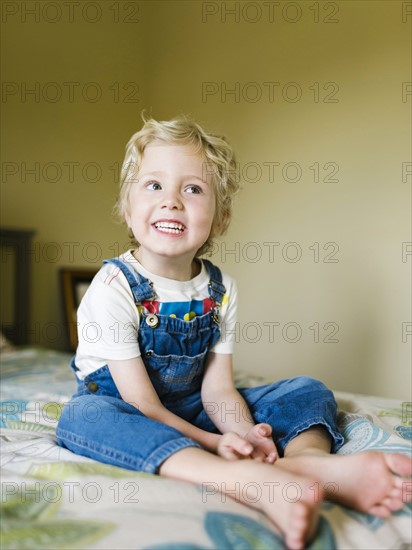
(348, 278)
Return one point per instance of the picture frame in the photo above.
(74, 283)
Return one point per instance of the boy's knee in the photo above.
(315, 390)
(310, 384)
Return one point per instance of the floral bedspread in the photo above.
(53, 499)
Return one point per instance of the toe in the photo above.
(393, 503)
(380, 511)
(399, 464)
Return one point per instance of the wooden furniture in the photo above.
(16, 258)
(74, 283)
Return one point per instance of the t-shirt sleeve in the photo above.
(228, 324)
(107, 319)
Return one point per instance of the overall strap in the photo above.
(216, 287)
(140, 286)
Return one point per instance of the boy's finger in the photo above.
(240, 445)
(237, 445)
(265, 430)
(271, 458)
(231, 454)
(267, 447)
(243, 448)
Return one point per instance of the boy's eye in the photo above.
(153, 185)
(193, 189)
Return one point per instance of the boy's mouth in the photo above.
(173, 227)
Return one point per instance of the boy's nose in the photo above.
(172, 201)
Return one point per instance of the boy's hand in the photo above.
(264, 449)
(233, 447)
(256, 444)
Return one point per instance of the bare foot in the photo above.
(260, 437)
(287, 500)
(298, 520)
(371, 482)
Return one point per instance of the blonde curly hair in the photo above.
(219, 161)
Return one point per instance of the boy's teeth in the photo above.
(169, 227)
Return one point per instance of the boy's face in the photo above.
(172, 204)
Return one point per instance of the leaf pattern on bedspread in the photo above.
(52, 535)
(41, 413)
(396, 413)
(372, 522)
(404, 414)
(30, 427)
(240, 532)
(11, 410)
(324, 539)
(28, 524)
(404, 431)
(176, 546)
(65, 470)
(360, 434)
(367, 520)
(236, 532)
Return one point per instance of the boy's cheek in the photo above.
(128, 220)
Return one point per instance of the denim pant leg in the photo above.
(292, 406)
(110, 430)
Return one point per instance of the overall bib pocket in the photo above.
(179, 375)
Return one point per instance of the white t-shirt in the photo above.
(108, 319)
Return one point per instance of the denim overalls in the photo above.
(97, 423)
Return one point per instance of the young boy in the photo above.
(154, 361)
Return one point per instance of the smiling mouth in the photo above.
(170, 227)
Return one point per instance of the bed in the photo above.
(54, 499)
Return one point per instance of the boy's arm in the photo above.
(230, 413)
(135, 387)
(222, 402)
